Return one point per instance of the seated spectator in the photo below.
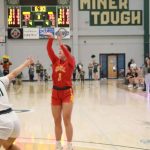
(131, 78)
(131, 64)
(140, 78)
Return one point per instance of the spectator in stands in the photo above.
(74, 74)
(130, 62)
(95, 69)
(131, 78)
(146, 71)
(82, 74)
(38, 67)
(90, 68)
(19, 78)
(79, 68)
(46, 76)
(140, 78)
(6, 64)
(41, 73)
(31, 72)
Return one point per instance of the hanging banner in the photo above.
(30, 33)
(15, 33)
(110, 12)
(65, 32)
(43, 31)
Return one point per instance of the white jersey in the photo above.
(4, 101)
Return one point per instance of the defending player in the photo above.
(9, 124)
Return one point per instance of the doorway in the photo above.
(112, 66)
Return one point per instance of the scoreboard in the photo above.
(14, 17)
(63, 16)
(38, 16)
(33, 21)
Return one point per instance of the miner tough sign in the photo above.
(110, 12)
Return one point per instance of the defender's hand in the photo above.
(28, 62)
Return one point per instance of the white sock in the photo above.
(69, 144)
(58, 143)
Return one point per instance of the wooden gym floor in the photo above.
(106, 116)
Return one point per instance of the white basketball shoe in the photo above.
(58, 146)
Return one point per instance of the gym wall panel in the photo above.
(132, 46)
(19, 50)
(86, 29)
(2, 13)
(90, 40)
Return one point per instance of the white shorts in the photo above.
(9, 126)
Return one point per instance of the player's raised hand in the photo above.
(50, 35)
(59, 38)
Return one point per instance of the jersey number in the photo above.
(59, 77)
(1, 92)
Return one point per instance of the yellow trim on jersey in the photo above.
(72, 96)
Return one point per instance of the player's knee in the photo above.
(57, 121)
(67, 120)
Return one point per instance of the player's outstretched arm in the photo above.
(59, 38)
(50, 50)
(65, 50)
(19, 69)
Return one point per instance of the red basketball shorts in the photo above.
(62, 96)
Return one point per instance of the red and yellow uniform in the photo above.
(62, 75)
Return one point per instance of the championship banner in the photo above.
(43, 31)
(65, 32)
(15, 33)
(30, 33)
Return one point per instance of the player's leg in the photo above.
(8, 144)
(56, 111)
(67, 111)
